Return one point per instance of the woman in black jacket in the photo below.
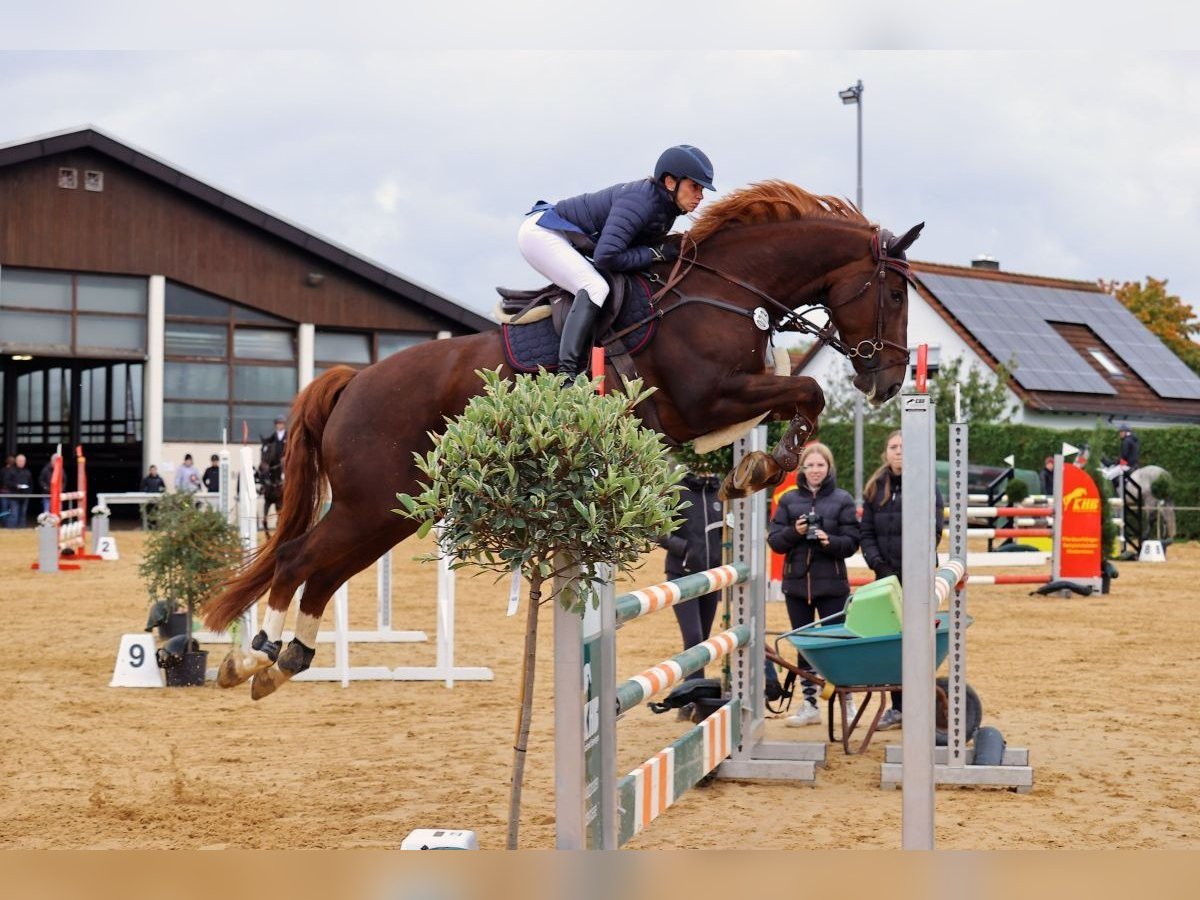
(621, 227)
(816, 526)
(694, 547)
(883, 530)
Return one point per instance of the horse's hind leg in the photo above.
(240, 665)
(334, 551)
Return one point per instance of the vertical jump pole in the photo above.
(956, 750)
(918, 666)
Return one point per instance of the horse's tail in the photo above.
(303, 483)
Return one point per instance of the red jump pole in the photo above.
(922, 369)
(598, 368)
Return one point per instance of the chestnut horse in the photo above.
(750, 264)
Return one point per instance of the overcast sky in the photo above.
(1075, 164)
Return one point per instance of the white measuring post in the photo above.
(918, 661)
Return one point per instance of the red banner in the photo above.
(774, 560)
(1081, 503)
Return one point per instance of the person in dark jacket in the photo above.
(44, 478)
(622, 227)
(18, 481)
(1047, 476)
(693, 547)
(212, 475)
(816, 527)
(1131, 447)
(883, 530)
(153, 483)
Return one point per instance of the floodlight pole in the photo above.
(853, 95)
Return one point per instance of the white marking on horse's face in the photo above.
(273, 623)
(306, 629)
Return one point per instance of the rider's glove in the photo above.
(665, 252)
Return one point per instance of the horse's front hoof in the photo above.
(729, 491)
(240, 665)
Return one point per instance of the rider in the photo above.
(1131, 447)
(622, 227)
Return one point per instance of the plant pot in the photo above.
(190, 672)
(175, 626)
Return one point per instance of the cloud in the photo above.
(1070, 164)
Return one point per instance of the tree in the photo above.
(545, 479)
(1165, 314)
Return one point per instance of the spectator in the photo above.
(1047, 476)
(44, 479)
(153, 483)
(212, 475)
(882, 531)
(187, 478)
(18, 480)
(5, 504)
(816, 526)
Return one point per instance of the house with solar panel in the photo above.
(1075, 353)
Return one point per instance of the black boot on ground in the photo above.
(578, 336)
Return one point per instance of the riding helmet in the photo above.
(685, 161)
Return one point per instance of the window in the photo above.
(225, 365)
(66, 313)
(1105, 362)
(332, 347)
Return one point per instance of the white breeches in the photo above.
(553, 256)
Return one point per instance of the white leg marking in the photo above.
(273, 623)
(306, 629)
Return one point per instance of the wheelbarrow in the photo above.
(846, 664)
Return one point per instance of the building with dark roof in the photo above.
(1075, 353)
(146, 314)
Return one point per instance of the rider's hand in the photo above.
(665, 252)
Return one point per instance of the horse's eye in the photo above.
(898, 296)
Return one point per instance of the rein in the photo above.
(789, 319)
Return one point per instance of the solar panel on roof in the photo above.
(1012, 321)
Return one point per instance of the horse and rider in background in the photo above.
(269, 474)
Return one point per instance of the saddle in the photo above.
(532, 322)
(524, 307)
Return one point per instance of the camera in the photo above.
(814, 522)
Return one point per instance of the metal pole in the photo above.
(856, 93)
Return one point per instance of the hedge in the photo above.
(1176, 449)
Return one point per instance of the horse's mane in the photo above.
(772, 201)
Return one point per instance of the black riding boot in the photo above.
(578, 336)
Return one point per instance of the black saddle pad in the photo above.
(526, 347)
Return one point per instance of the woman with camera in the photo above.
(882, 532)
(816, 526)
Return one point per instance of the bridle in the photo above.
(779, 316)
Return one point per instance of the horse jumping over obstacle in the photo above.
(751, 262)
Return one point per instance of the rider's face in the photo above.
(689, 195)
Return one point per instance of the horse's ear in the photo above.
(898, 246)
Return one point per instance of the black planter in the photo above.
(175, 626)
(190, 671)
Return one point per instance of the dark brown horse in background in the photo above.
(750, 263)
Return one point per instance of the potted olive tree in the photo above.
(549, 481)
(187, 555)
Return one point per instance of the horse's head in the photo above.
(869, 308)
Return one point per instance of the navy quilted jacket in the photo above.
(623, 220)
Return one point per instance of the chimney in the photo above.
(986, 262)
